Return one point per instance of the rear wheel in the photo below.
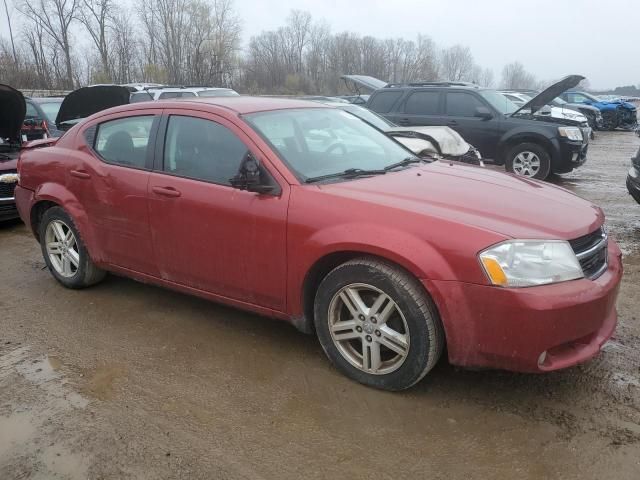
(528, 160)
(64, 253)
(377, 325)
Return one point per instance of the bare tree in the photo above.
(55, 18)
(96, 16)
(13, 45)
(514, 76)
(456, 63)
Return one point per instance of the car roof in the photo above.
(184, 89)
(238, 104)
(46, 99)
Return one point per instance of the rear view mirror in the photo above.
(484, 113)
(249, 177)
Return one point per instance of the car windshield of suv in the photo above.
(327, 141)
(499, 101)
(369, 117)
(51, 109)
(590, 97)
(558, 101)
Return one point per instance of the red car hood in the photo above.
(509, 205)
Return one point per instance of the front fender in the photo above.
(525, 134)
(402, 248)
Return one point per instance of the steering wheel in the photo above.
(335, 146)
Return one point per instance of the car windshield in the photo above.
(369, 117)
(326, 141)
(558, 101)
(499, 101)
(218, 93)
(51, 109)
(590, 97)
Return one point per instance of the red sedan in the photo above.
(305, 213)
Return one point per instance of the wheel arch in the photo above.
(326, 263)
(507, 143)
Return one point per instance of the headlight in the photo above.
(525, 263)
(572, 133)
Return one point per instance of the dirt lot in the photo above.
(131, 381)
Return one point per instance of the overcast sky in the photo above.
(551, 38)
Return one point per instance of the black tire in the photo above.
(86, 273)
(426, 336)
(610, 120)
(633, 191)
(540, 152)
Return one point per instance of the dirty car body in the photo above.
(633, 177)
(307, 214)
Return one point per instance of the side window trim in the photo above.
(150, 153)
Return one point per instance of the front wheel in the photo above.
(64, 253)
(377, 325)
(610, 120)
(528, 160)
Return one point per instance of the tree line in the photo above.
(199, 42)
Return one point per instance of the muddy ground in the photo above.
(126, 380)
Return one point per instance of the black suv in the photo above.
(527, 144)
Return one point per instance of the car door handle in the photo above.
(403, 122)
(80, 174)
(452, 123)
(166, 191)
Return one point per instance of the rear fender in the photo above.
(60, 195)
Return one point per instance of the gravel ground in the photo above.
(131, 381)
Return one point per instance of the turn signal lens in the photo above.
(495, 272)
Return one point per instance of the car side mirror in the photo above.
(249, 177)
(545, 110)
(484, 113)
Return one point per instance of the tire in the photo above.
(406, 320)
(516, 161)
(68, 261)
(633, 190)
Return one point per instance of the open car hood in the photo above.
(549, 93)
(86, 101)
(12, 112)
(446, 141)
(357, 82)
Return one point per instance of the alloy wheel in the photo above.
(526, 164)
(62, 248)
(368, 329)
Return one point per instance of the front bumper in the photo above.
(8, 210)
(509, 329)
(571, 155)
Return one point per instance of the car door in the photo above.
(109, 178)
(421, 108)
(461, 113)
(206, 234)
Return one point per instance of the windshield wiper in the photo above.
(348, 173)
(404, 162)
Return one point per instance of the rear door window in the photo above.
(460, 104)
(423, 103)
(382, 102)
(125, 141)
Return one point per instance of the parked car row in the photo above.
(525, 141)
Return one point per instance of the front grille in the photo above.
(591, 251)
(7, 189)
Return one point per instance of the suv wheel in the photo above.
(64, 253)
(529, 160)
(377, 325)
